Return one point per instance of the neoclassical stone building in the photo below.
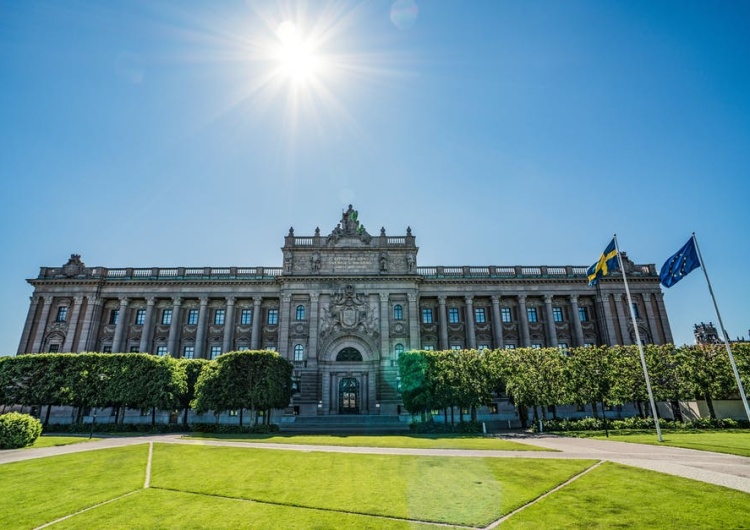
(341, 308)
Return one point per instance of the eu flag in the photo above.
(679, 265)
(607, 262)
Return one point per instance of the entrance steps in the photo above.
(345, 424)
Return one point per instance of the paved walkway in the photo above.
(714, 468)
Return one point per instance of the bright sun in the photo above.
(295, 55)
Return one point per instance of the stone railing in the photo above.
(518, 271)
(173, 273)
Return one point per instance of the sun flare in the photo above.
(296, 56)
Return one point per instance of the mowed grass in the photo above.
(155, 508)
(54, 441)
(459, 490)
(484, 443)
(618, 496)
(34, 492)
(734, 441)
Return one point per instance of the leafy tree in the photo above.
(707, 374)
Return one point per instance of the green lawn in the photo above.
(227, 487)
(459, 490)
(37, 491)
(734, 441)
(423, 441)
(617, 496)
(154, 508)
(52, 441)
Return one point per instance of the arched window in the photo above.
(300, 312)
(398, 312)
(299, 352)
(398, 350)
(349, 355)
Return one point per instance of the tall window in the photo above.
(505, 315)
(54, 348)
(62, 314)
(161, 351)
(166, 317)
(510, 346)
(531, 314)
(299, 352)
(192, 317)
(219, 317)
(246, 317)
(536, 346)
(635, 310)
(114, 315)
(456, 347)
(215, 352)
(480, 317)
(426, 315)
(134, 349)
(557, 314)
(300, 314)
(398, 350)
(428, 347)
(189, 352)
(481, 347)
(453, 315)
(398, 312)
(583, 314)
(273, 317)
(140, 317)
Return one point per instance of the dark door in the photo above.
(349, 396)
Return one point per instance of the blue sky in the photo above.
(162, 134)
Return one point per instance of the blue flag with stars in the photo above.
(607, 262)
(680, 264)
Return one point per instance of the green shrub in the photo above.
(233, 429)
(18, 430)
(432, 427)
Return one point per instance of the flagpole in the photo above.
(638, 341)
(723, 331)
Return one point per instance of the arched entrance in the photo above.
(349, 396)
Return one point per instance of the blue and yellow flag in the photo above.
(680, 264)
(607, 262)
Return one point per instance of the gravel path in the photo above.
(714, 468)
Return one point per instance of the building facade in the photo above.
(342, 307)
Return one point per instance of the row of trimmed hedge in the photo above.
(636, 422)
(160, 428)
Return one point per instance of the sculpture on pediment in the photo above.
(349, 226)
(74, 266)
(315, 262)
(410, 262)
(347, 312)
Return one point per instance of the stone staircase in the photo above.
(345, 424)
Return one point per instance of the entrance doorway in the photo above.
(349, 396)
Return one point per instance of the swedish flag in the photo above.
(607, 262)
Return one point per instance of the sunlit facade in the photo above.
(341, 308)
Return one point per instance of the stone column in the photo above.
(284, 318)
(622, 319)
(497, 324)
(664, 319)
(523, 321)
(148, 326)
(91, 321)
(228, 325)
(72, 324)
(652, 327)
(312, 342)
(384, 334)
(609, 325)
(257, 316)
(121, 326)
(42, 325)
(200, 332)
(471, 336)
(443, 322)
(23, 345)
(549, 317)
(415, 342)
(174, 328)
(577, 329)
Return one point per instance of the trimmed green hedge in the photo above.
(215, 428)
(433, 427)
(636, 422)
(18, 430)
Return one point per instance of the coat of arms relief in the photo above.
(348, 312)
